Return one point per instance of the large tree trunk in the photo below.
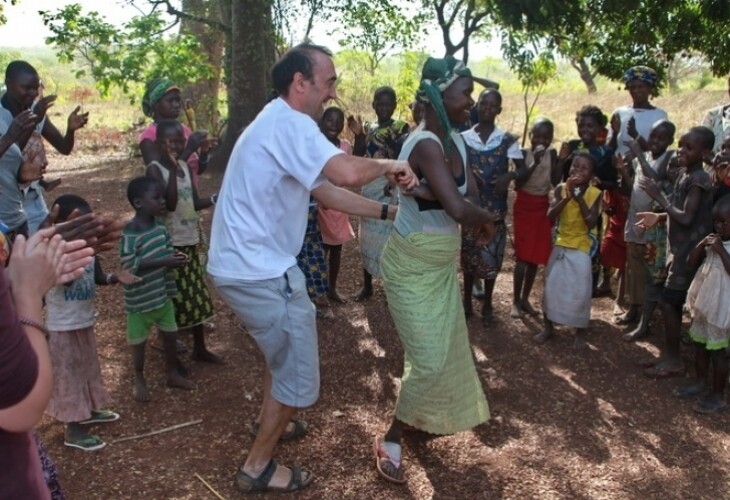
(251, 57)
(204, 92)
(584, 70)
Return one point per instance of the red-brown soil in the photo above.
(565, 424)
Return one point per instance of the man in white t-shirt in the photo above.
(258, 228)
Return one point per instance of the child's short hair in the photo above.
(67, 203)
(669, 126)
(587, 156)
(138, 186)
(165, 126)
(490, 90)
(543, 122)
(594, 112)
(333, 109)
(384, 91)
(707, 136)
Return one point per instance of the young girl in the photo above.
(78, 389)
(162, 101)
(381, 140)
(490, 150)
(335, 226)
(193, 306)
(567, 294)
(646, 249)
(708, 298)
(532, 228)
(613, 244)
(313, 263)
(688, 217)
(591, 124)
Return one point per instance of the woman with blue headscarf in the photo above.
(440, 390)
(634, 121)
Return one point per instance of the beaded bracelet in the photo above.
(34, 324)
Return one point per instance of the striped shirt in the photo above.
(158, 284)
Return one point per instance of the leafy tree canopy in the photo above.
(132, 54)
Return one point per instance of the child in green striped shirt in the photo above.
(146, 251)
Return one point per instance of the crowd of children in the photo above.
(616, 198)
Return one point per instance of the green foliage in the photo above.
(356, 85)
(3, 19)
(409, 78)
(612, 35)
(377, 27)
(123, 57)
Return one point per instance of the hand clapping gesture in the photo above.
(77, 120)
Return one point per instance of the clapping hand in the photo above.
(355, 125)
(25, 120)
(77, 120)
(647, 220)
(650, 187)
(42, 106)
(485, 234)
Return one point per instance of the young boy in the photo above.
(377, 140)
(147, 252)
(689, 220)
(642, 296)
(568, 281)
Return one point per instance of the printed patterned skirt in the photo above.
(483, 261)
(193, 305)
(311, 259)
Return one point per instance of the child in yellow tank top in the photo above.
(568, 281)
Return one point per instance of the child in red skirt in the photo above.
(532, 228)
(613, 245)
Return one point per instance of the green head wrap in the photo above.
(437, 76)
(154, 91)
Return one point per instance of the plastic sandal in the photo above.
(382, 454)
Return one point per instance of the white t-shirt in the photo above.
(644, 118)
(261, 215)
(71, 306)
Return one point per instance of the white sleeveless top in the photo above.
(182, 224)
(416, 215)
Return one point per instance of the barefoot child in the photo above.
(193, 305)
(490, 150)
(689, 220)
(162, 101)
(708, 298)
(78, 389)
(532, 227)
(334, 225)
(642, 291)
(146, 251)
(381, 140)
(568, 281)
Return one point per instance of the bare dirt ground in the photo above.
(565, 424)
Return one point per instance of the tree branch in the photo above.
(190, 17)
